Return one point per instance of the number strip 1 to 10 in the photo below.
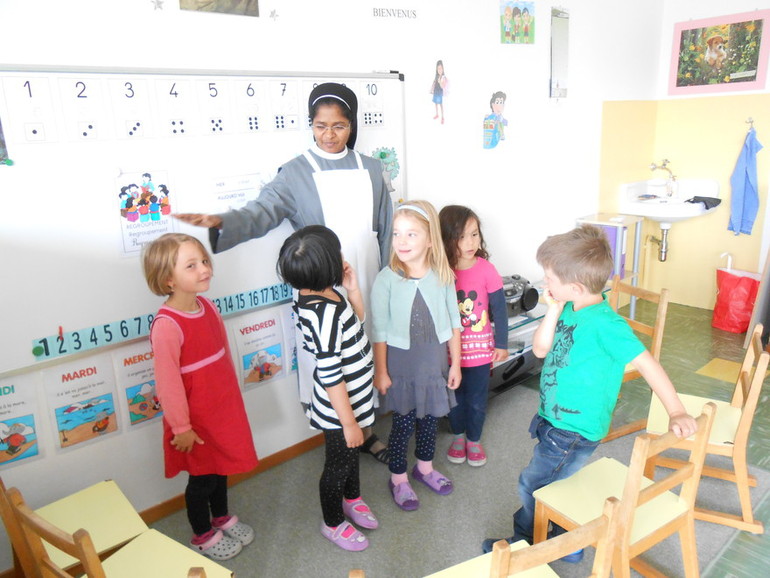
(68, 343)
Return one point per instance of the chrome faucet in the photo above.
(663, 166)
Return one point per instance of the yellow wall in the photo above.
(702, 137)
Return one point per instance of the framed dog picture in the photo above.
(721, 54)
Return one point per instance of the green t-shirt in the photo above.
(583, 371)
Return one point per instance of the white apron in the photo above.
(348, 206)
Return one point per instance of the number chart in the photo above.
(83, 141)
(127, 329)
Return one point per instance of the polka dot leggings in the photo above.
(339, 478)
(401, 432)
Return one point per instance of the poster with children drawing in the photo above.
(81, 400)
(517, 22)
(259, 340)
(19, 421)
(143, 201)
(135, 376)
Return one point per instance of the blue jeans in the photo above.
(469, 414)
(558, 454)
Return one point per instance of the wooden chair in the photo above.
(654, 332)
(601, 532)
(102, 508)
(511, 559)
(649, 511)
(729, 436)
(150, 555)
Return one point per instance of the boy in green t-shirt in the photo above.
(586, 346)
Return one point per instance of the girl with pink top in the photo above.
(205, 428)
(481, 300)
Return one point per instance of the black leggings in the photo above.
(206, 498)
(400, 433)
(339, 478)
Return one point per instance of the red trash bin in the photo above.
(736, 293)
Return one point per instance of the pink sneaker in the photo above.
(476, 455)
(456, 453)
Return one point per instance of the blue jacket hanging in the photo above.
(745, 196)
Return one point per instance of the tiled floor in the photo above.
(689, 343)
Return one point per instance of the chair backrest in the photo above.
(748, 386)
(35, 530)
(688, 477)
(600, 532)
(16, 534)
(654, 331)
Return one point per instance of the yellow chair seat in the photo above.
(581, 497)
(102, 509)
(155, 555)
(725, 425)
(481, 566)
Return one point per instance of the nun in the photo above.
(329, 184)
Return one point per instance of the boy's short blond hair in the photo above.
(159, 258)
(582, 255)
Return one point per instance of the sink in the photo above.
(650, 199)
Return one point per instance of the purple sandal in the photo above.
(437, 482)
(404, 496)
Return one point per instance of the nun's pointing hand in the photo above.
(199, 220)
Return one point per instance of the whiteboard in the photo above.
(72, 280)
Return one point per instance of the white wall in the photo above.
(533, 184)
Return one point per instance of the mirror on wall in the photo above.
(559, 52)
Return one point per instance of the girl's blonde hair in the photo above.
(437, 259)
(159, 259)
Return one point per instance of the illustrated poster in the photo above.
(19, 419)
(135, 375)
(290, 336)
(259, 341)
(81, 400)
(144, 200)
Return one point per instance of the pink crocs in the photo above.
(233, 528)
(218, 547)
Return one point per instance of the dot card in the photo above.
(177, 108)
(371, 103)
(131, 107)
(31, 113)
(83, 106)
(215, 105)
(283, 104)
(251, 105)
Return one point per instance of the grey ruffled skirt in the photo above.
(419, 374)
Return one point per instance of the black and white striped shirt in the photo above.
(333, 334)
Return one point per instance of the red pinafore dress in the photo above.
(217, 413)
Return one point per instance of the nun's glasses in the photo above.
(336, 129)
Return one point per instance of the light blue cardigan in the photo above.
(392, 298)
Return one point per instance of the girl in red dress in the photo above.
(205, 428)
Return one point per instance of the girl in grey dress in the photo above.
(416, 337)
